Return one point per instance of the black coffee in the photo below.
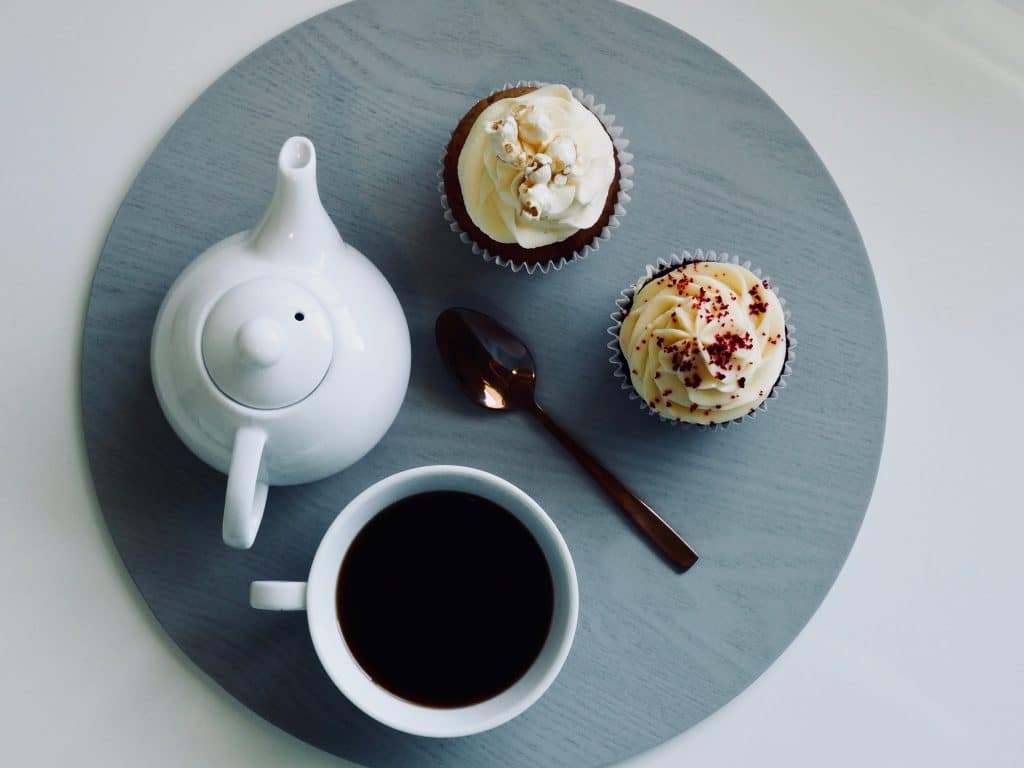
(445, 599)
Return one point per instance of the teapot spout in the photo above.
(295, 225)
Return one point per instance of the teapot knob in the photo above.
(267, 343)
(261, 341)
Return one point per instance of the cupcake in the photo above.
(534, 176)
(702, 340)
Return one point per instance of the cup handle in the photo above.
(247, 493)
(278, 595)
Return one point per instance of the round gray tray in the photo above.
(773, 506)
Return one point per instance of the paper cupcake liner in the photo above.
(625, 302)
(625, 185)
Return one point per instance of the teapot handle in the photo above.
(247, 493)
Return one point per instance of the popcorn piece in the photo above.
(563, 154)
(534, 124)
(535, 199)
(538, 171)
(505, 139)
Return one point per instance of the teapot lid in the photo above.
(267, 343)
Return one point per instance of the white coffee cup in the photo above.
(317, 597)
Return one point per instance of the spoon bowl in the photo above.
(493, 367)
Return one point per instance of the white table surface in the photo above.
(917, 655)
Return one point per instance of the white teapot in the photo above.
(281, 354)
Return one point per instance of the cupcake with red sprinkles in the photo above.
(701, 339)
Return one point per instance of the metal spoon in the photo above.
(496, 371)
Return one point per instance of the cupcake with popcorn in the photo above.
(535, 176)
(701, 339)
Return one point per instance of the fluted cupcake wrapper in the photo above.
(625, 302)
(625, 185)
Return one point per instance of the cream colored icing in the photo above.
(704, 343)
(535, 169)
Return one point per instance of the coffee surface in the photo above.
(445, 599)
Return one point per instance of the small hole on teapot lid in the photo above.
(299, 316)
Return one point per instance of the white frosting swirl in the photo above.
(704, 343)
(536, 169)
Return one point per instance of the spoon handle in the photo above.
(660, 533)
